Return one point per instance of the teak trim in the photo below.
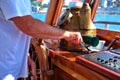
(54, 11)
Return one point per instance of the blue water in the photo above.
(39, 16)
(106, 17)
(98, 17)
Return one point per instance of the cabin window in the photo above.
(108, 15)
(39, 9)
(71, 3)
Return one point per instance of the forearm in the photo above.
(36, 28)
(39, 29)
(48, 31)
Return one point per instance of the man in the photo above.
(17, 26)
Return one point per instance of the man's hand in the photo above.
(32, 67)
(74, 37)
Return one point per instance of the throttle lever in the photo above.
(85, 47)
(113, 42)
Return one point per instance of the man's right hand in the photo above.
(74, 37)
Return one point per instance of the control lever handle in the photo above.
(113, 42)
(85, 47)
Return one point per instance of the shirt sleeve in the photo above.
(14, 8)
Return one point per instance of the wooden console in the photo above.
(66, 67)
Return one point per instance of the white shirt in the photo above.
(14, 44)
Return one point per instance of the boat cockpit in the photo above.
(98, 58)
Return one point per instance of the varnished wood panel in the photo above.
(94, 9)
(61, 75)
(108, 35)
(59, 58)
(54, 11)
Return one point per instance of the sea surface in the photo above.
(107, 17)
(98, 17)
(39, 16)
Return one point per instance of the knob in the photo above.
(102, 60)
(98, 59)
(106, 62)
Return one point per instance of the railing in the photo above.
(108, 12)
(106, 23)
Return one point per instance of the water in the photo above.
(39, 16)
(98, 17)
(106, 17)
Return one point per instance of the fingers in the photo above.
(74, 37)
(78, 39)
(33, 72)
(34, 77)
(32, 67)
